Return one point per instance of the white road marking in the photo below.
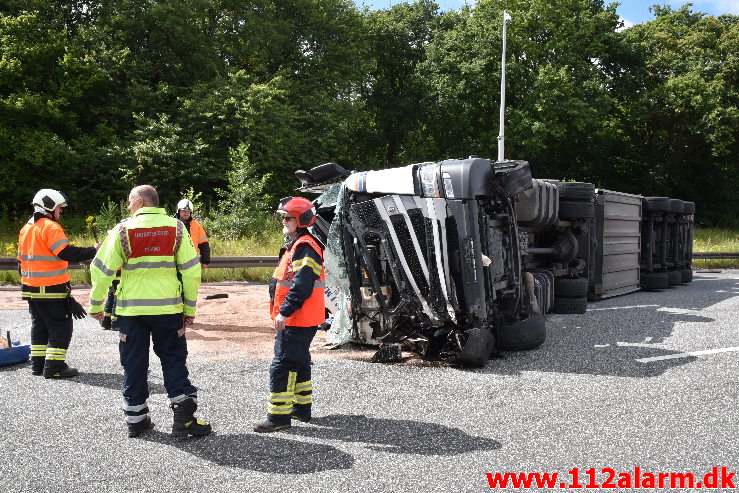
(687, 354)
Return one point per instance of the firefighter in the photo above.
(197, 233)
(297, 308)
(43, 255)
(152, 303)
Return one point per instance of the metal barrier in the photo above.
(10, 263)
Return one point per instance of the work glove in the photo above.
(76, 309)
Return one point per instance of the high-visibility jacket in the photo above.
(152, 248)
(39, 243)
(313, 311)
(197, 233)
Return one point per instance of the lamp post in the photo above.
(501, 134)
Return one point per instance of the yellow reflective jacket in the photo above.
(151, 248)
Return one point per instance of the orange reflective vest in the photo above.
(39, 243)
(313, 311)
(197, 233)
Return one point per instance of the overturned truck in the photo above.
(460, 258)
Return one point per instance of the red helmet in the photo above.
(299, 207)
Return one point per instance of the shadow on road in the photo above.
(263, 453)
(398, 436)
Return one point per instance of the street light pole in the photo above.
(501, 134)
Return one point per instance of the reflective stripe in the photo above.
(59, 243)
(284, 409)
(56, 354)
(308, 399)
(134, 409)
(281, 395)
(303, 386)
(40, 258)
(188, 264)
(307, 262)
(43, 296)
(96, 302)
(202, 239)
(103, 268)
(149, 265)
(189, 302)
(136, 419)
(289, 284)
(50, 273)
(38, 350)
(152, 302)
(283, 398)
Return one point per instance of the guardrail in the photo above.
(10, 263)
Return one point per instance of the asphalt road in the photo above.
(612, 388)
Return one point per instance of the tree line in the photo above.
(228, 98)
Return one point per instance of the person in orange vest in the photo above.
(297, 308)
(197, 233)
(43, 255)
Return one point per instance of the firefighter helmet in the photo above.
(49, 199)
(185, 205)
(299, 207)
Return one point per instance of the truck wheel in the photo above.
(570, 305)
(512, 178)
(529, 333)
(576, 190)
(571, 209)
(570, 288)
(686, 275)
(676, 206)
(656, 204)
(673, 277)
(478, 347)
(654, 280)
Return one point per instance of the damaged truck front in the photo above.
(429, 256)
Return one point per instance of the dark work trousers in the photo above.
(168, 346)
(51, 327)
(290, 381)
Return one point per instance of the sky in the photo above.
(632, 11)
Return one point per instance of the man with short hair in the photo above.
(43, 256)
(297, 308)
(152, 303)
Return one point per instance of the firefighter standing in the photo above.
(297, 308)
(43, 255)
(197, 233)
(152, 248)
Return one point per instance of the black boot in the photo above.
(185, 423)
(267, 426)
(37, 365)
(59, 370)
(136, 429)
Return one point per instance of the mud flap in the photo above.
(477, 349)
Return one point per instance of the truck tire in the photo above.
(688, 207)
(510, 179)
(576, 190)
(571, 209)
(676, 206)
(656, 204)
(529, 333)
(673, 277)
(686, 275)
(654, 280)
(570, 305)
(478, 347)
(570, 288)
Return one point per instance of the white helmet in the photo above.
(48, 199)
(185, 205)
